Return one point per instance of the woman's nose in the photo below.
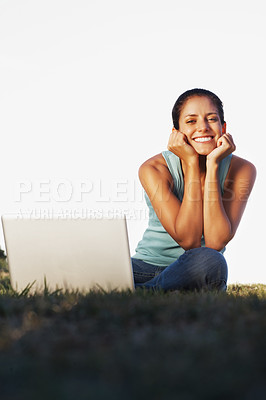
(203, 126)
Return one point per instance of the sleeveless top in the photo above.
(157, 246)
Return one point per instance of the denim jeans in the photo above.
(199, 268)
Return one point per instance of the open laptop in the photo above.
(65, 253)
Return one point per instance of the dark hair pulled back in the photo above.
(180, 102)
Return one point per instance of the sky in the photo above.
(87, 89)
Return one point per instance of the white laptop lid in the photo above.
(68, 253)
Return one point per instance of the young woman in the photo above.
(196, 193)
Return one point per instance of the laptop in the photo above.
(67, 253)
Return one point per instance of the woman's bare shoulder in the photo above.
(238, 163)
(157, 162)
(241, 168)
(155, 166)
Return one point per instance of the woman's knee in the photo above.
(217, 270)
(205, 254)
(211, 264)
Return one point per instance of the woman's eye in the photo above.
(190, 121)
(213, 119)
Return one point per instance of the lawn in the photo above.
(138, 345)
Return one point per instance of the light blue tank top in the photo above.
(157, 246)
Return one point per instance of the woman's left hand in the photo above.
(225, 146)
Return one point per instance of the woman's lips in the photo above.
(204, 139)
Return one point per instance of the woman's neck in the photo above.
(202, 164)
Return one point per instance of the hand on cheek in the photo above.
(225, 146)
(178, 144)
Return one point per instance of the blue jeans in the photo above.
(199, 268)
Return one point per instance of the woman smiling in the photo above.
(196, 193)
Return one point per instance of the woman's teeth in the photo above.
(203, 139)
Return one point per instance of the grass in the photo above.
(133, 345)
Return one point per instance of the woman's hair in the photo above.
(180, 102)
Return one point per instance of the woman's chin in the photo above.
(204, 150)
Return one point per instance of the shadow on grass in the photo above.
(124, 345)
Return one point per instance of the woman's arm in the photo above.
(221, 215)
(183, 221)
(217, 226)
(189, 221)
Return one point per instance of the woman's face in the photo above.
(200, 122)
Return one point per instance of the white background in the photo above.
(86, 93)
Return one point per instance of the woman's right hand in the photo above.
(179, 145)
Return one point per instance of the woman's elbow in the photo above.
(189, 244)
(187, 240)
(217, 244)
